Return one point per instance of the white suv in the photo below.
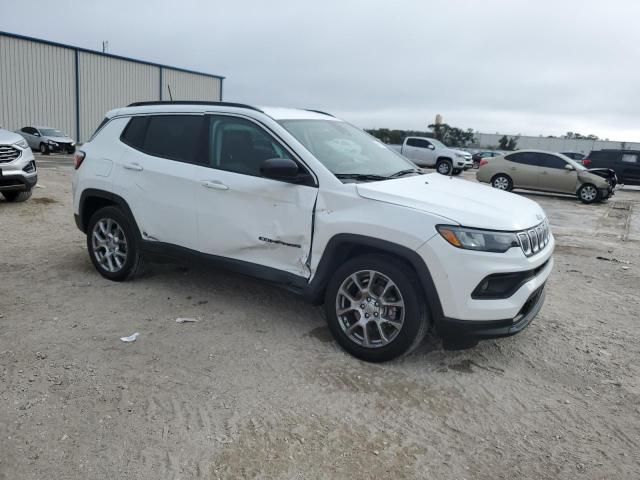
(313, 203)
(18, 172)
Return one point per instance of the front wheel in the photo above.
(444, 167)
(17, 196)
(114, 246)
(44, 149)
(588, 193)
(375, 308)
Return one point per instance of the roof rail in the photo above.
(319, 111)
(193, 102)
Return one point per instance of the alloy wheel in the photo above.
(444, 168)
(109, 245)
(370, 309)
(588, 193)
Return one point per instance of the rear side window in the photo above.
(551, 161)
(175, 137)
(134, 132)
(630, 157)
(524, 158)
(417, 142)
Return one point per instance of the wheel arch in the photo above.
(344, 246)
(92, 199)
(442, 157)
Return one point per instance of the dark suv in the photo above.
(626, 164)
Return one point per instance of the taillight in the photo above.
(78, 158)
(586, 162)
(484, 161)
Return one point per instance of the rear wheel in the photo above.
(375, 308)
(502, 182)
(44, 149)
(113, 244)
(444, 167)
(588, 193)
(17, 196)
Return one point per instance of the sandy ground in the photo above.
(258, 389)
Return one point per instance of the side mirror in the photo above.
(36, 134)
(431, 147)
(569, 167)
(279, 169)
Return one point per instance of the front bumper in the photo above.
(20, 174)
(451, 328)
(62, 147)
(457, 273)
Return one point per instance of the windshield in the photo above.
(51, 132)
(345, 149)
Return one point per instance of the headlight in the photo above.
(22, 143)
(482, 240)
(459, 155)
(73, 144)
(51, 142)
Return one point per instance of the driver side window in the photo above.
(240, 146)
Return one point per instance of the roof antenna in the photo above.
(169, 88)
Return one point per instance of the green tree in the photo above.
(452, 136)
(504, 142)
(512, 144)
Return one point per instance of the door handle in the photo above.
(513, 168)
(544, 172)
(133, 166)
(215, 184)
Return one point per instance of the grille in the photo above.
(536, 239)
(8, 153)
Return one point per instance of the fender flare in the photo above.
(338, 250)
(89, 193)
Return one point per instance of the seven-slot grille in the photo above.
(8, 153)
(535, 239)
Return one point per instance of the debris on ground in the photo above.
(130, 338)
(606, 259)
(186, 320)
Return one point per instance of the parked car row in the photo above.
(432, 153)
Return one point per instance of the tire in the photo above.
(411, 318)
(132, 261)
(17, 196)
(444, 167)
(457, 171)
(502, 181)
(44, 149)
(588, 193)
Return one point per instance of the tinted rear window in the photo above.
(135, 131)
(174, 136)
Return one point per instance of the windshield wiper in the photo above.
(360, 176)
(405, 172)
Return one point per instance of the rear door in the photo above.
(523, 168)
(157, 172)
(241, 214)
(420, 151)
(554, 176)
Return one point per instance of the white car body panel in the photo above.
(428, 157)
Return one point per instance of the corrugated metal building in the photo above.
(71, 88)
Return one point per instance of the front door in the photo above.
(244, 216)
(420, 151)
(554, 175)
(523, 168)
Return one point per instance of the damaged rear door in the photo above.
(244, 216)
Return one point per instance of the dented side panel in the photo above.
(344, 211)
(254, 219)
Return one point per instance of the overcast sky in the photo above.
(509, 66)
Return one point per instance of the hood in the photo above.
(461, 201)
(598, 176)
(59, 139)
(462, 152)
(7, 137)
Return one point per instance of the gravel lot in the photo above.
(258, 389)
